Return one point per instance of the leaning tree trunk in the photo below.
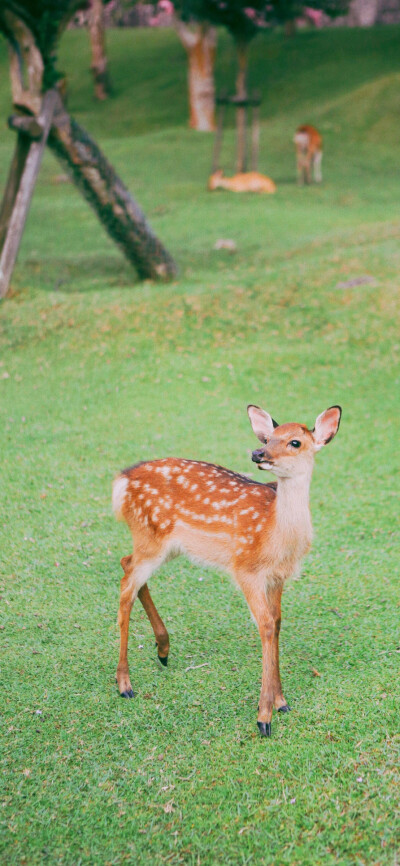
(199, 42)
(116, 209)
(102, 86)
(43, 119)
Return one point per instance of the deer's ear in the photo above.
(326, 426)
(262, 423)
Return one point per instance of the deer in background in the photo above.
(248, 181)
(256, 532)
(308, 143)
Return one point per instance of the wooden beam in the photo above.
(23, 198)
(28, 124)
(218, 136)
(14, 178)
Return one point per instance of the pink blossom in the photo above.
(166, 6)
(314, 15)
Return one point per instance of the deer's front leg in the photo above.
(265, 606)
(274, 597)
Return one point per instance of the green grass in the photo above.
(98, 371)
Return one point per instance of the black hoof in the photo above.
(164, 661)
(284, 709)
(128, 694)
(264, 728)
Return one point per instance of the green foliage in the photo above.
(97, 371)
(288, 10)
(244, 18)
(232, 14)
(46, 19)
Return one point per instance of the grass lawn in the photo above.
(98, 371)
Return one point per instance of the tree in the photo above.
(99, 65)
(199, 40)
(243, 19)
(33, 28)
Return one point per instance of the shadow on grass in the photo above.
(85, 274)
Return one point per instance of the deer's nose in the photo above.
(258, 456)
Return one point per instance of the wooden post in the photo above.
(22, 199)
(241, 161)
(255, 130)
(221, 102)
(14, 179)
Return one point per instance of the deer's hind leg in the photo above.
(160, 632)
(137, 572)
(317, 166)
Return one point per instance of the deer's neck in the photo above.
(292, 514)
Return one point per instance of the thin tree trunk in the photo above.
(102, 86)
(290, 27)
(241, 93)
(199, 41)
(116, 209)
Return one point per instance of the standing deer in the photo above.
(256, 532)
(308, 143)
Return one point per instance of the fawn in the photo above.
(256, 532)
(308, 143)
(249, 181)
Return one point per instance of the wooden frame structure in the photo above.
(242, 106)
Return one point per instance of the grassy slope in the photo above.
(97, 371)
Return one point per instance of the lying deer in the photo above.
(256, 532)
(248, 181)
(308, 143)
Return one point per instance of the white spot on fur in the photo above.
(164, 470)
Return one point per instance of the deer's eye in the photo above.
(295, 443)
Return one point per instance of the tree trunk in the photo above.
(102, 87)
(116, 209)
(241, 93)
(363, 13)
(199, 41)
(290, 27)
(95, 177)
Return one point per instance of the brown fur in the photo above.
(308, 143)
(249, 181)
